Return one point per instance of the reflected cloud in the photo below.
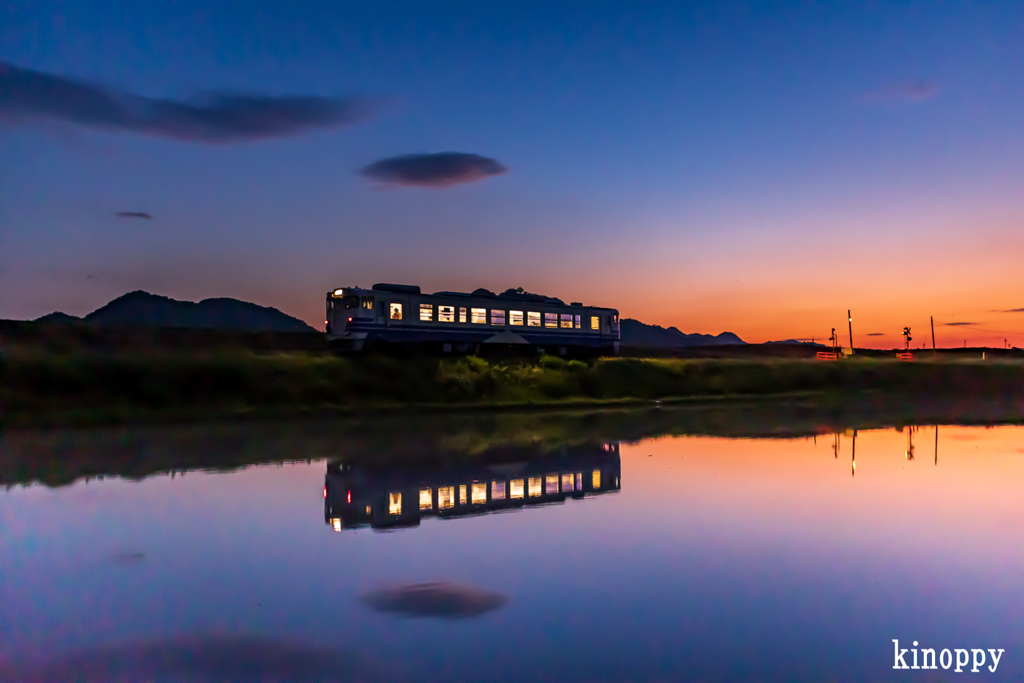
(439, 600)
(201, 659)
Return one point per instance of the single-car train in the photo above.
(400, 315)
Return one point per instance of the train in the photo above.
(392, 315)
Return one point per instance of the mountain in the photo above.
(636, 333)
(150, 310)
(57, 318)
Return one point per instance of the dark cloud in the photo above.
(1011, 310)
(92, 277)
(441, 600)
(959, 324)
(134, 214)
(32, 95)
(876, 334)
(433, 170)
(127, 557)
(914, 91)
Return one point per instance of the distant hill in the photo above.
(57, 318)
(150, 310)
(638, 334)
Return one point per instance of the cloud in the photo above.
(876, 334)
(134, 214)
(959, 324)
(1011, 310)
(223, 118)
(433, 170)
(441, 600)
(913, 91)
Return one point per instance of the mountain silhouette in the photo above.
(142, 309)
(637, 334)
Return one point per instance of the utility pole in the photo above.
(850, 320)
(932, 318)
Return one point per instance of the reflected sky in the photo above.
(717, 559)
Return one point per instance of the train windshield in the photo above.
(350, 301)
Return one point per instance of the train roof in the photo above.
(481, 293)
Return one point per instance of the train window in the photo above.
(446, 314)
(426, 312)
(576, 321)
(515, 317)
(597, 479)
(462, 315)
(350, 301)
(497, 317)
(566, 483)
(534, 487)
(567, 320)
(395, 503)
(479, 492)
(368, 303)
(579, 481)
(445, 497)
(497, 490)
(516, 488)
(595, 323)
(462, 494)
(478, 315)
(550, 320)
(551, 484)
(396, 310)
(533, 319)
(426, 499)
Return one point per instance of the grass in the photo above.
(80, 386)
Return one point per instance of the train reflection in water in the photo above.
(357, 495)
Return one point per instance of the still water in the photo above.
(539, 557)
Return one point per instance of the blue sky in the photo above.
(753, 167)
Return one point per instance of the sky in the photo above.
(759, 168)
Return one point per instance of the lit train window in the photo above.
(395, 503)
(479, 492)
(595, 323)
(576, 321)
(534, 487)
(550, 320)
(426, 499)
(516, 488)
(551, 484)
(497, 490)
(462, 315)
(497, 317)
(478, 315)
(579, 481)
(368, 303)
(515, 317)
(597, 479)
(567, 320)
(566, 483)
(445, 497)
(533, 319)
(462, 494)
(446, 314)
(426, 312)
(396, 311)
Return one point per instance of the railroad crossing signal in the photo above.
(907, 337)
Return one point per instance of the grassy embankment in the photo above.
(41, 388)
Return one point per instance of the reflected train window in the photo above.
(426, 312)
(567, 320)
(497, 317)
(395, 310)
(445, 497)
(597, 479)
(478, 315)
(426, 499)
(576, 321)
(550, 320)
(551, 484)
(595, 323)
(534, 487)
(533, 319)
(462, 314)
(497, 490)
(515, 317)
(566, 483)
(479, 492)
(445, 314)
(395, 503)
(462, 494)
(516, 488)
